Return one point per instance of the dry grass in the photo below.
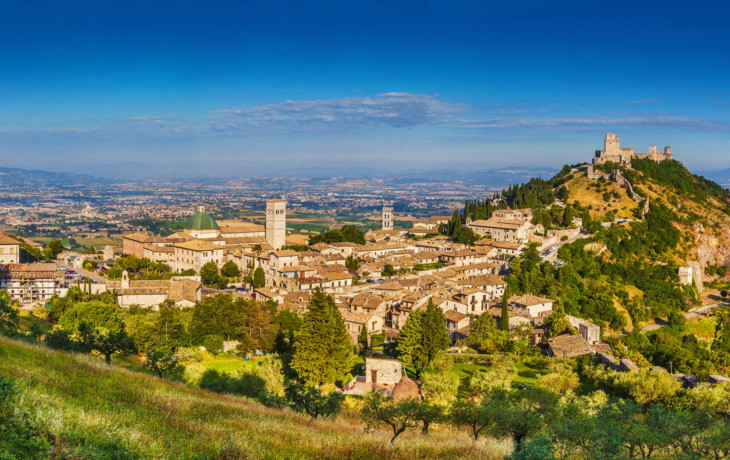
(96, 411)
(581, 190)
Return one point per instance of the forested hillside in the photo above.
(625, 275)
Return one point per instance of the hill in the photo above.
(697, 207)
(98, 411)
(625, 275)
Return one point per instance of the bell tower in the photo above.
(276, 223)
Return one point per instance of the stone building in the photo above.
(383, 371)
(387, 218)
(276, 223)
(531, 306)
(613, 152)
(568, 346)
(183, 291)
(9, 250)
(498, 229)
(589, 331)
(29, 283)
(192, 255)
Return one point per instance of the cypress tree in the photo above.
(504, 319)
(434, 336)
(363, 341)
(259, 278)
(323, 351)
(409, 345)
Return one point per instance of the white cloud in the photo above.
(388, 109)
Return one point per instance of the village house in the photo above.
(355, 321)
(477, 300)
(383, 371)
(454, 322)
(183, 291)
(568, 346)
(589, 331)
(9, 250)
(515, 319)
(531, 306)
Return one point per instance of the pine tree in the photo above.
(434, 336)
(323, 351)
(504, 319)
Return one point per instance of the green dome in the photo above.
(202, 221)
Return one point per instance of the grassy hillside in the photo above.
(96, 411)
(601, 197)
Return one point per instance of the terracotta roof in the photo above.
(529, 300)
(455, 316)
(185, 289)
(482, 280)
(569, 346)
(32, 267)
(250, 228)
(391, 286)
(5, 239)
(155, 248)
(142, 237)
(359, 317)
(198, 245)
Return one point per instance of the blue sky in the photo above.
(258, 87)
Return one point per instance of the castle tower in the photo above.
(276, 223)
(611, 143)
(387, 218)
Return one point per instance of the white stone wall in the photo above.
(383, 371)
(10, 254)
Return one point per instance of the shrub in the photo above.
(313, 402)
(20, 435)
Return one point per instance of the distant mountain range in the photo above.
(130, 172)
(16, 177)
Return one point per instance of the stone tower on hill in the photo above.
(623, 155)
(387, 218)
(276, 223)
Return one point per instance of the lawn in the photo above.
(227, 363)
(97, 411)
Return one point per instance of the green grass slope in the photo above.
(96, 411)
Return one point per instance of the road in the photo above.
(690, 314)
(81, 271)
(553, 256)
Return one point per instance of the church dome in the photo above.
(202, 221)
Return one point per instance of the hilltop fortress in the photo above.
(623, 155)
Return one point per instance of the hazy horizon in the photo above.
(189, 88)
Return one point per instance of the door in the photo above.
(374, 376)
